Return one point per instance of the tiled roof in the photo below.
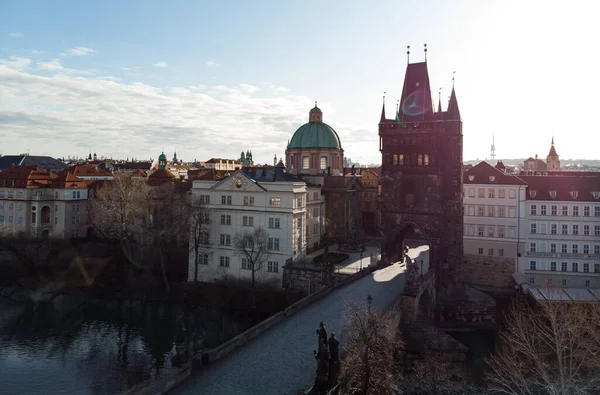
(563, 185)
(160, 177)
(43, 162)
(35, 177)
(269, 174)
(89, 170)
(484, 173)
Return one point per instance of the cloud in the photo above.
(68, 112)
(78, 51)
(211, 63)
(16, 35)
(16, 62)
(161, 65)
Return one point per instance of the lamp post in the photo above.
(361, 255)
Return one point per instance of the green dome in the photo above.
(315, 135)
(316, 109)
(162, 157)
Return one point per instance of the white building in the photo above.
(315, 215)
(256, 197)
(223, 164)
(562, 230)
(494, 210)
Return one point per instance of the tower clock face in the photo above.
(238, 183)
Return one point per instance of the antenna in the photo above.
(408, 54)
(493, 153)
(397, 106)
(453, 74)
(384, 97)
(425, 49)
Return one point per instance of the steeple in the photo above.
(383, 109)
(440, 101)
(415, 102)
(175, 157)
(552, 149)
(453, 113)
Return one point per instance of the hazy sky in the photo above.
(210, 79)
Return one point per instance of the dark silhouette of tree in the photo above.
(253, 247)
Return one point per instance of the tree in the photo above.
(368, 366)
(199, 219)
(252, 247)
(550, 348)
(118, 213)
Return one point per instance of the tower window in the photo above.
(323, 163)
(395, 162)
(426, 160)
(420, 160)
(305, 162)
(401, 159)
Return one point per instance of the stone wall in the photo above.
(488, 271)
(307, 279)
(477, 310)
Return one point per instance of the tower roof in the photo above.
(415, 102)
(552, 149)
(453, 112)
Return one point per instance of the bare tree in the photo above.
(253, 248)
(368, 365)
(199, 219)
(550, 348)
(119, 211)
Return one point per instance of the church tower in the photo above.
(552, 160)
(421, 181)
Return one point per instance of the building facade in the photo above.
(421, 177)
(253, 198)
(223, 164)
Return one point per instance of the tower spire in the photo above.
(383, 108)
(440, 100)
(408, 54)
(425, 49)
(552, 140)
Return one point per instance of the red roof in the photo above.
(563, 186)
(89, 170)
(160, 177)
(35, 177)
(484, 173)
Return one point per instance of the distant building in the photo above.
(246, 159)
(552, 161)
(223, 164)
(43, 162)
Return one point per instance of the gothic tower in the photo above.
(552, 160)
(421, 182)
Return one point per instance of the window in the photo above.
(491, 193)
(481, 193)
(490, 251)
(19, 220)
(543, 209)
(480, 251)
(491, 211)
(273, 267)
(248, 200)
(420, 160)
(586, 267)
(549, 281)
(246, 264)
(426, 160)
(553, 209)
(587, 283)
(225, 239)
(501, 193)
(501, 211)
(563, 248)
(472, 192)
(586, 211)
(274, 223)
(531, 280)
(481, 211)
(203, 259)
(575, 266)
(480, 231)
(575, 248)
(1, 219)
(274, 202)
(596, 267)
(225, 219)
(533, 209)
(401, 159)
(565, 211)
(10, 206)
(575, 211)
(597, 211)
(597, 250)
(532, 265)
(247, 221)
(564, 282)
(315, 229)
(553, 266)
(586, 230)
(532, 247)
(553, 229)
(553, 247)
(586, 248)
(512, 194)
(490, 231)
(224, 261)
(565, 229)
(204, 237)
(512, 212)
(299, 202)
(10, 219)
(575, 230)
(273, 243)
(226, 199)
(395, 160)
(501, 231)
(500, 252)
(204, 199)
(305, 162)
(19, 207)
(563, 267)
(596, 230)
(533, 229)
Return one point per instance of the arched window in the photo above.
(323, 164)
(305, 162)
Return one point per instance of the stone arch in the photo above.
(46, 215)
(396, 240)
(425, 305)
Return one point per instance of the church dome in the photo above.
(162, 157)
(315, 134)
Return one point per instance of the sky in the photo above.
(212, 78)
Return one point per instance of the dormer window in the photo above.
(532, 193)
(596, 195)
(574, 194)
(471, 178)
(492, 178)
(553, 194)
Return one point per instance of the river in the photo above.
(72, 345)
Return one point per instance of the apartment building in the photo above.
(248, 199)
(562, 230)
(494, 210)
(42, 203)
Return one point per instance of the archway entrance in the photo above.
(409, 241)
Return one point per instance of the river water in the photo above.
(70, 345)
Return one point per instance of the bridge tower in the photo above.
(421, 180)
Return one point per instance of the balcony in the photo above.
(560, 255)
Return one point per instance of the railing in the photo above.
(561, 255)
